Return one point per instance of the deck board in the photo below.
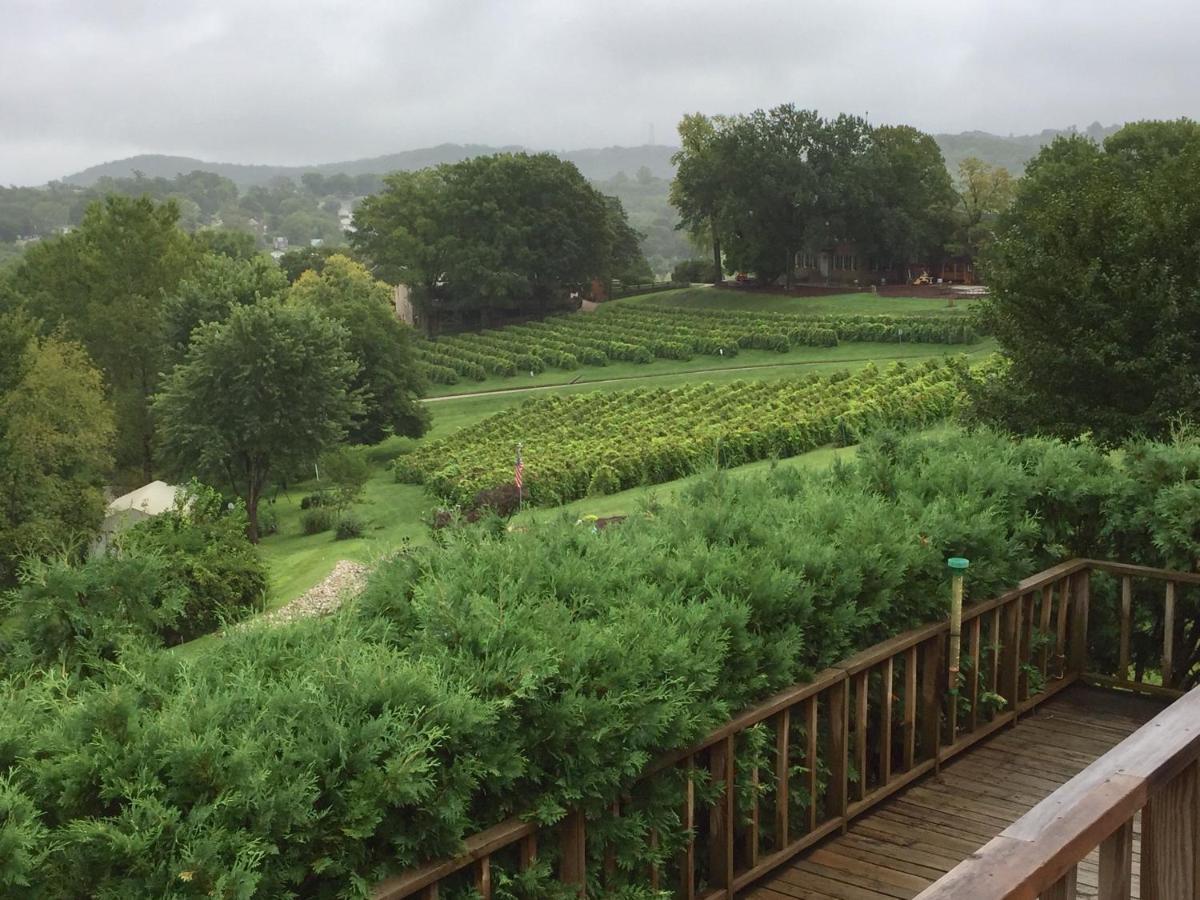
(896, 850)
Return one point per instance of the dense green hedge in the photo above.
(652, 435)
(533, 670)
(165, 580)
(642, 334)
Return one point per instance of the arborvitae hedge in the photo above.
(535, 670)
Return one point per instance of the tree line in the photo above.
(758, 188)
(134, 350)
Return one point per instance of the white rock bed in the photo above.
(345, 581)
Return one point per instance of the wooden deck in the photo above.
(905, 844)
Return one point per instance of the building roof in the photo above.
(151, 499)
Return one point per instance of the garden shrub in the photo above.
(317, 520)
(349, 526)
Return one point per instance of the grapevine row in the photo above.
(602, 442)
(643, 334)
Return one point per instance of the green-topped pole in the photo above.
(957, 566)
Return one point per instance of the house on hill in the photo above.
(147, 501)
(846, 264)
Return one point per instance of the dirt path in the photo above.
(785, 365)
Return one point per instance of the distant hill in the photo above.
(597, 164)
(1012, 152)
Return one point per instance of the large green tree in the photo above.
(56, 431)
(984, 192)
(510, 233)
(389, 381)
(698, 187)
(105, 284)
(1095, 281)
(216, 285)
(909, 199)
(267, 389)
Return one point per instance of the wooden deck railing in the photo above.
(857, 733)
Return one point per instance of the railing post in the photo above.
(573, 866)
(1171, 839)
(1080, 603)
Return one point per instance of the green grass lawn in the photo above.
(394, 513)
(834, 304)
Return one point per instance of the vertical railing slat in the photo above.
(976, 636)
(1126, 626)
(1064, 888)
(1060, 642)
(687, 821)
(527, 852)
(720, 817)
(811, 710)
(885, 722)
(483, 878)
(931, 697)
(1080, 598)
(783, 728)
(1044, 630)
(910, 708)
(573, 865)
(861, 684)
(1116, 864)
(1171, 839)
(753, 825)
(837, 758)
(1168, 655)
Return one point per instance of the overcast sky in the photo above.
(307, 81)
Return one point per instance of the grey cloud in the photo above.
(308, 81)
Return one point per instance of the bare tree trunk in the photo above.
(717, 273)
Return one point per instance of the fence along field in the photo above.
(643, 334)
(603, 442)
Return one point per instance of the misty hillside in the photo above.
(596, 164)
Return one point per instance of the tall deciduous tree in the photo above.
(105, 284)
(56, 432)
(984, 192)
(215, 286)
(909, 196)
(698, 187)
(1095, 281)
(267, 389)
(389, 381)
(507, 233)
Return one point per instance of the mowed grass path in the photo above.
(396, 513)
(856, 304)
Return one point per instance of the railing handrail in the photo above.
(1033, 853)
(518, 829)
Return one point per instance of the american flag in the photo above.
(519, 471)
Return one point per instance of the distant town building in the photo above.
(317, 242)
(280, 243)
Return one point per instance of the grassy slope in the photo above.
(397, 512)
(835, 304)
